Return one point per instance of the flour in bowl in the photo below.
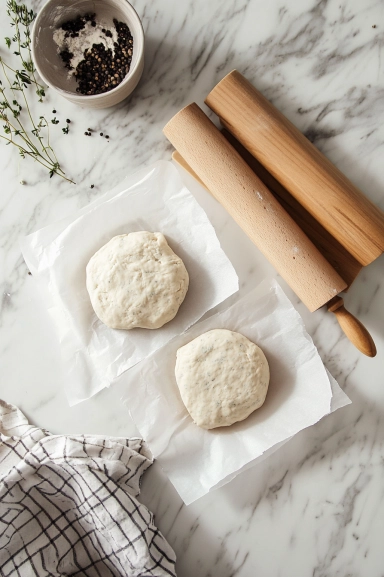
(97, 55)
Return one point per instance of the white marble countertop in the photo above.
(316, 507)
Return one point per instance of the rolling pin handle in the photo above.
(353, 328)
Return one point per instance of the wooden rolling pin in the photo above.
(340, 207)
(210, 157)
(254, 208)
(341, 260)
(352, 327)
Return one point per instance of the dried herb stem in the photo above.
(33, 140)
(21, 16)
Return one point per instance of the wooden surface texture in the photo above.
(325, 193)
(234, 184)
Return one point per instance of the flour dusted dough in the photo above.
(222, 376)
(136, 280)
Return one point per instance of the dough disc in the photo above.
(136, 280)
(222, 376)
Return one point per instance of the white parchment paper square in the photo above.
(301, 392)
(152, 199)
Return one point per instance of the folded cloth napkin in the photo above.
(68, 505)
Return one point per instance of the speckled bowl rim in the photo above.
(94, 97)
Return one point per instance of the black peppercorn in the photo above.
(102, 68)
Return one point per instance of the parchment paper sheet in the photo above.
(301, 392)
(152, 199)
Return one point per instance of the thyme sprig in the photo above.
(32, 140)
(21, 20)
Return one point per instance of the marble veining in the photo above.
(316, 507)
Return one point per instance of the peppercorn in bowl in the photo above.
(90, 52)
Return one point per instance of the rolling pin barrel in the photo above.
(253, 207)
(339, 206)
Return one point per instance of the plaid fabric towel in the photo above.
(68, 505)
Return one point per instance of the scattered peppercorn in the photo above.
(68, 121)
(107, 136)
(374, 26)
(101, 133)
(53, 111)
(66, 57)
(92, 186)
(90, 129)
(77, 24)
(29, 272)
(86, 133)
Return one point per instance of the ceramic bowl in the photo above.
(49, 64)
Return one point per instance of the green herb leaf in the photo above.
(34, 135)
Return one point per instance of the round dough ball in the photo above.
(136, 280)
(222, 376)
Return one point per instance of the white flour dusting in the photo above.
(86, 38)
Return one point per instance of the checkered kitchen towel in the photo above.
(68, 505)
